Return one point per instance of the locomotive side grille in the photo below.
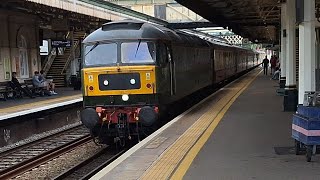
(119, 81)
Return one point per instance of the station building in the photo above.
(62, 24)
(19, 45)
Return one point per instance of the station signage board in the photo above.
(60, 43)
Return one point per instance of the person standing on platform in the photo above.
(265, 63)
(273, 62)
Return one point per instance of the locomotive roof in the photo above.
(132, 29)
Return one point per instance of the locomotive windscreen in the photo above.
(138, 52)
(100, 54)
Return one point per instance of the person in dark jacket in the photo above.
(265, 63)
(273, 62)
(15, 84)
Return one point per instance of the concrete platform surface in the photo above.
(17, 107)
(253, 141)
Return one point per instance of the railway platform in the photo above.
(18, 107)
(239, 132)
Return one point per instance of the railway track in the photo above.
(90, 166)
(21, 159)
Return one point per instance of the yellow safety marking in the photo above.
(37, 104)
(170, 159)
(186, 162)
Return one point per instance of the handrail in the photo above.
(49, 61)
(50, 58)
(75, 45)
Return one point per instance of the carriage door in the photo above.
(213, 56)
(172, 71)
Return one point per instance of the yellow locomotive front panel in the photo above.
(108, 81)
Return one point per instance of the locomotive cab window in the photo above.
(138, 52)
(100, 54)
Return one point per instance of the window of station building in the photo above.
(23, 57)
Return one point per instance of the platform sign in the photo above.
(44, 49)
(60, 43)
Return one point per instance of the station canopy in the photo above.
(258, 20)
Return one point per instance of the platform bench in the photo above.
(35, 90)
(5, 89)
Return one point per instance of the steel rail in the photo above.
(7, 151)
(103, 165)
(70, 171)
(33, 162)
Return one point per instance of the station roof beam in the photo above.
(191, 25)
(244, 17)
(119, 9)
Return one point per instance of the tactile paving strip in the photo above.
(165, 165)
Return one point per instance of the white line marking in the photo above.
(132, 150)
(29, 111)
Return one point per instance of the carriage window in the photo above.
(138, 52)
(100, 54)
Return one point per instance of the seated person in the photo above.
(15, 84)
(37, 83)
(276, 74)
(51, 84)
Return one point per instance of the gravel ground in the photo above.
(62, 163)
(38, 136)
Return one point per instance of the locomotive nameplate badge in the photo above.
(147, 76)
(90, 77)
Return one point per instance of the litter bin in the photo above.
(75, 82)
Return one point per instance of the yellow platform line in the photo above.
(167, 163)
(38, 104)
(186, 162)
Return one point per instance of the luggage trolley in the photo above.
(306, 125)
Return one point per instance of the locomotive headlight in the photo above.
(125, 97)
(132, 81)
(106, 82)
